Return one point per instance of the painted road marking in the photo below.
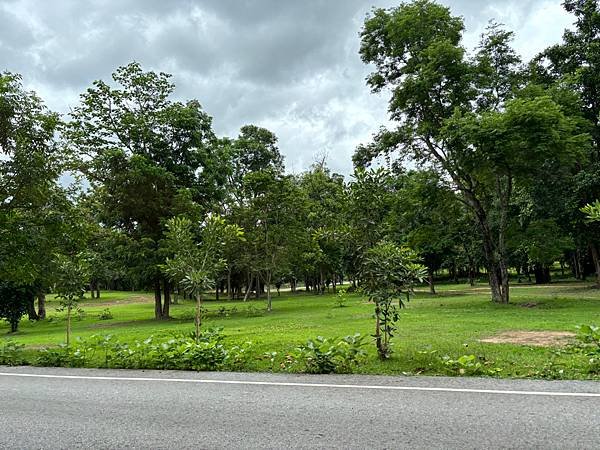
(307, 385)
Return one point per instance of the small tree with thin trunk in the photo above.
(388, 275)
(72, 275)
(196, 266)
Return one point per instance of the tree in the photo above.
(195, 267)
(143, 153)
(72, 276)
(426, 217)
(327, 234)
(388, 275)
(273, 225)
(460, 115)
(574, 64)
(34, 209)
(14, 302)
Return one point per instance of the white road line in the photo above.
(310, 385)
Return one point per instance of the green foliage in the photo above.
(389, 274)
(105, 314)
(72, 275)
(322, 355)
(14, 301)
(469, 365)
(592, 211)
(179, 352)
(196, 267)
(589, 336)
(341, 297)
(10, 354)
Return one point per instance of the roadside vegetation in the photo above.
(489, 174)
(437, 334)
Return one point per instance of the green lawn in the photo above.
(449, 323)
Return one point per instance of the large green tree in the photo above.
(35, 213)
(142, 153)
(461, 116)
(575, 65)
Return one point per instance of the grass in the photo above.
(433, 326)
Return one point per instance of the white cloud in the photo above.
(290, 66)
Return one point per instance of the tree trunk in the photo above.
(167, 299)
(268, 283)
(248, 288)
(69, 325)
(596, 260)
(41, 298)
(430, 280)
(198, 319)
(31, 312)
(229, 291)
(157, 299)
(542, 274)
(495, 254)
(377, 335)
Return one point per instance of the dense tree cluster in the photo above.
(487, 171)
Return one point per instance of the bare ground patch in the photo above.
(125, 301)
(534, 338)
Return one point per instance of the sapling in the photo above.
(388, 276)
(72, 276)
(195, 266)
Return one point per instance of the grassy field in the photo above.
(450, 324)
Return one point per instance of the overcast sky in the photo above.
(289, 65)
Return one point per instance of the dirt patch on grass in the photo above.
(534, 338)
(125, 301)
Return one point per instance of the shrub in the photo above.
(54, 357)
(589, 337)
(469, 365)
(178, 351)
(105, 314)
(10, 354)
(341, 297)
(321, 355)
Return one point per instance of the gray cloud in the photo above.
(292, 66)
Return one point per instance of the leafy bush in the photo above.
(105, 314)
(253, 311)
(54, 357)
(10, 354)
(469, 365)
(322, 355)
(589, 337)
(341, 297)
(179, 351)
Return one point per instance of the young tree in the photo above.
(389, 274)
(72, 277)
(196, 266)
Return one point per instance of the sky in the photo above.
(291, 66)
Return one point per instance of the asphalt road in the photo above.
(65, 408)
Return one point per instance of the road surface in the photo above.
(80, 408)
